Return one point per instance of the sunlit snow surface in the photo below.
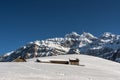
(91, 68)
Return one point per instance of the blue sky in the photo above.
(22, 21)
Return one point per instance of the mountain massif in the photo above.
(105, 46)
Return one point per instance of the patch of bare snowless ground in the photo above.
(91, 68)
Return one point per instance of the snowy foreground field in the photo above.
(91, 68)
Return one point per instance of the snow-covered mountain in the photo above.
(106, 46)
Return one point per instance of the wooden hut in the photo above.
(53, 61)
(59, 62)
(74, 61)
(19, 59)
(70, 61)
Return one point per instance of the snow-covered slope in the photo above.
(106, 46)
(91, 68)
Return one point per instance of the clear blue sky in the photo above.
(22, 21)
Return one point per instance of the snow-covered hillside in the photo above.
(91, 68)
(106, 46)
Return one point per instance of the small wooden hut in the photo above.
(19, 59)
(70, 61)
(59, 62)
(74, 61)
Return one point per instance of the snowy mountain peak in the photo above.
(108, 35)
(37, 43)
(75, 33)
(88, 35)
(72, 35)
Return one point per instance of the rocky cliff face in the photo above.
(106, 46)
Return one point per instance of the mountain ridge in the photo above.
(106, 46)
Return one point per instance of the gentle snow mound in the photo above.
(91, 68)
